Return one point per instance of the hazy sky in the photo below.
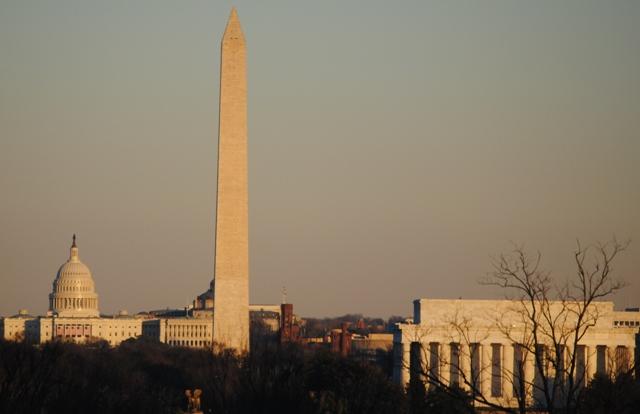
(394, 146)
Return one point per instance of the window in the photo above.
(560, 358)
(474, 350)
(496, 370)
(601, 359)
(434, 360)
(622, 359)
(540, 366)
(519, 353)
(415, 364)
(581, 364)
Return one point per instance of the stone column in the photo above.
(507, 370)
(569, 354)
(445, 363)
(401, 360)
(465, 366)
(591, 355)
(529, 372)
(609, 359)
(550, 368)
(406, 359)
(485, 369)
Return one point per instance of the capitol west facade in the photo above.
(73, 303)
(73, 312)
(74, 316)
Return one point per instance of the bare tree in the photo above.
(557, 316)
(545, 320)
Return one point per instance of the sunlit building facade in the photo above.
(484, 346)
(74, 316)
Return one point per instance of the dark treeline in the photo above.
(145, 377)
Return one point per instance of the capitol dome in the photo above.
(74, 292)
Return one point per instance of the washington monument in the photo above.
(231, 287)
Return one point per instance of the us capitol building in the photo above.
(73, 303)
(74, 316)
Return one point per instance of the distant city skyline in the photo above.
(393, 148)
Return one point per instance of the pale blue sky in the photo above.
(394, 146)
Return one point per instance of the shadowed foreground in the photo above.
(146, 377)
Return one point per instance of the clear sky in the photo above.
(394, 146)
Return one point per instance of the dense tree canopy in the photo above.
(147, 377)
(141, 376)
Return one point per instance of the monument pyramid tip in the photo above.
(234, 14)
(233, 29)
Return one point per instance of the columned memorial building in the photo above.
(487, 346)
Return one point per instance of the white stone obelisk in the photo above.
(231, 289)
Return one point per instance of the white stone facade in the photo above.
(41, 329)
(196, 331)
(20, 327)
(113, 330)
(231, 288)
(476, 343)
(191, 332)
(184, 332)
(74, 291)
